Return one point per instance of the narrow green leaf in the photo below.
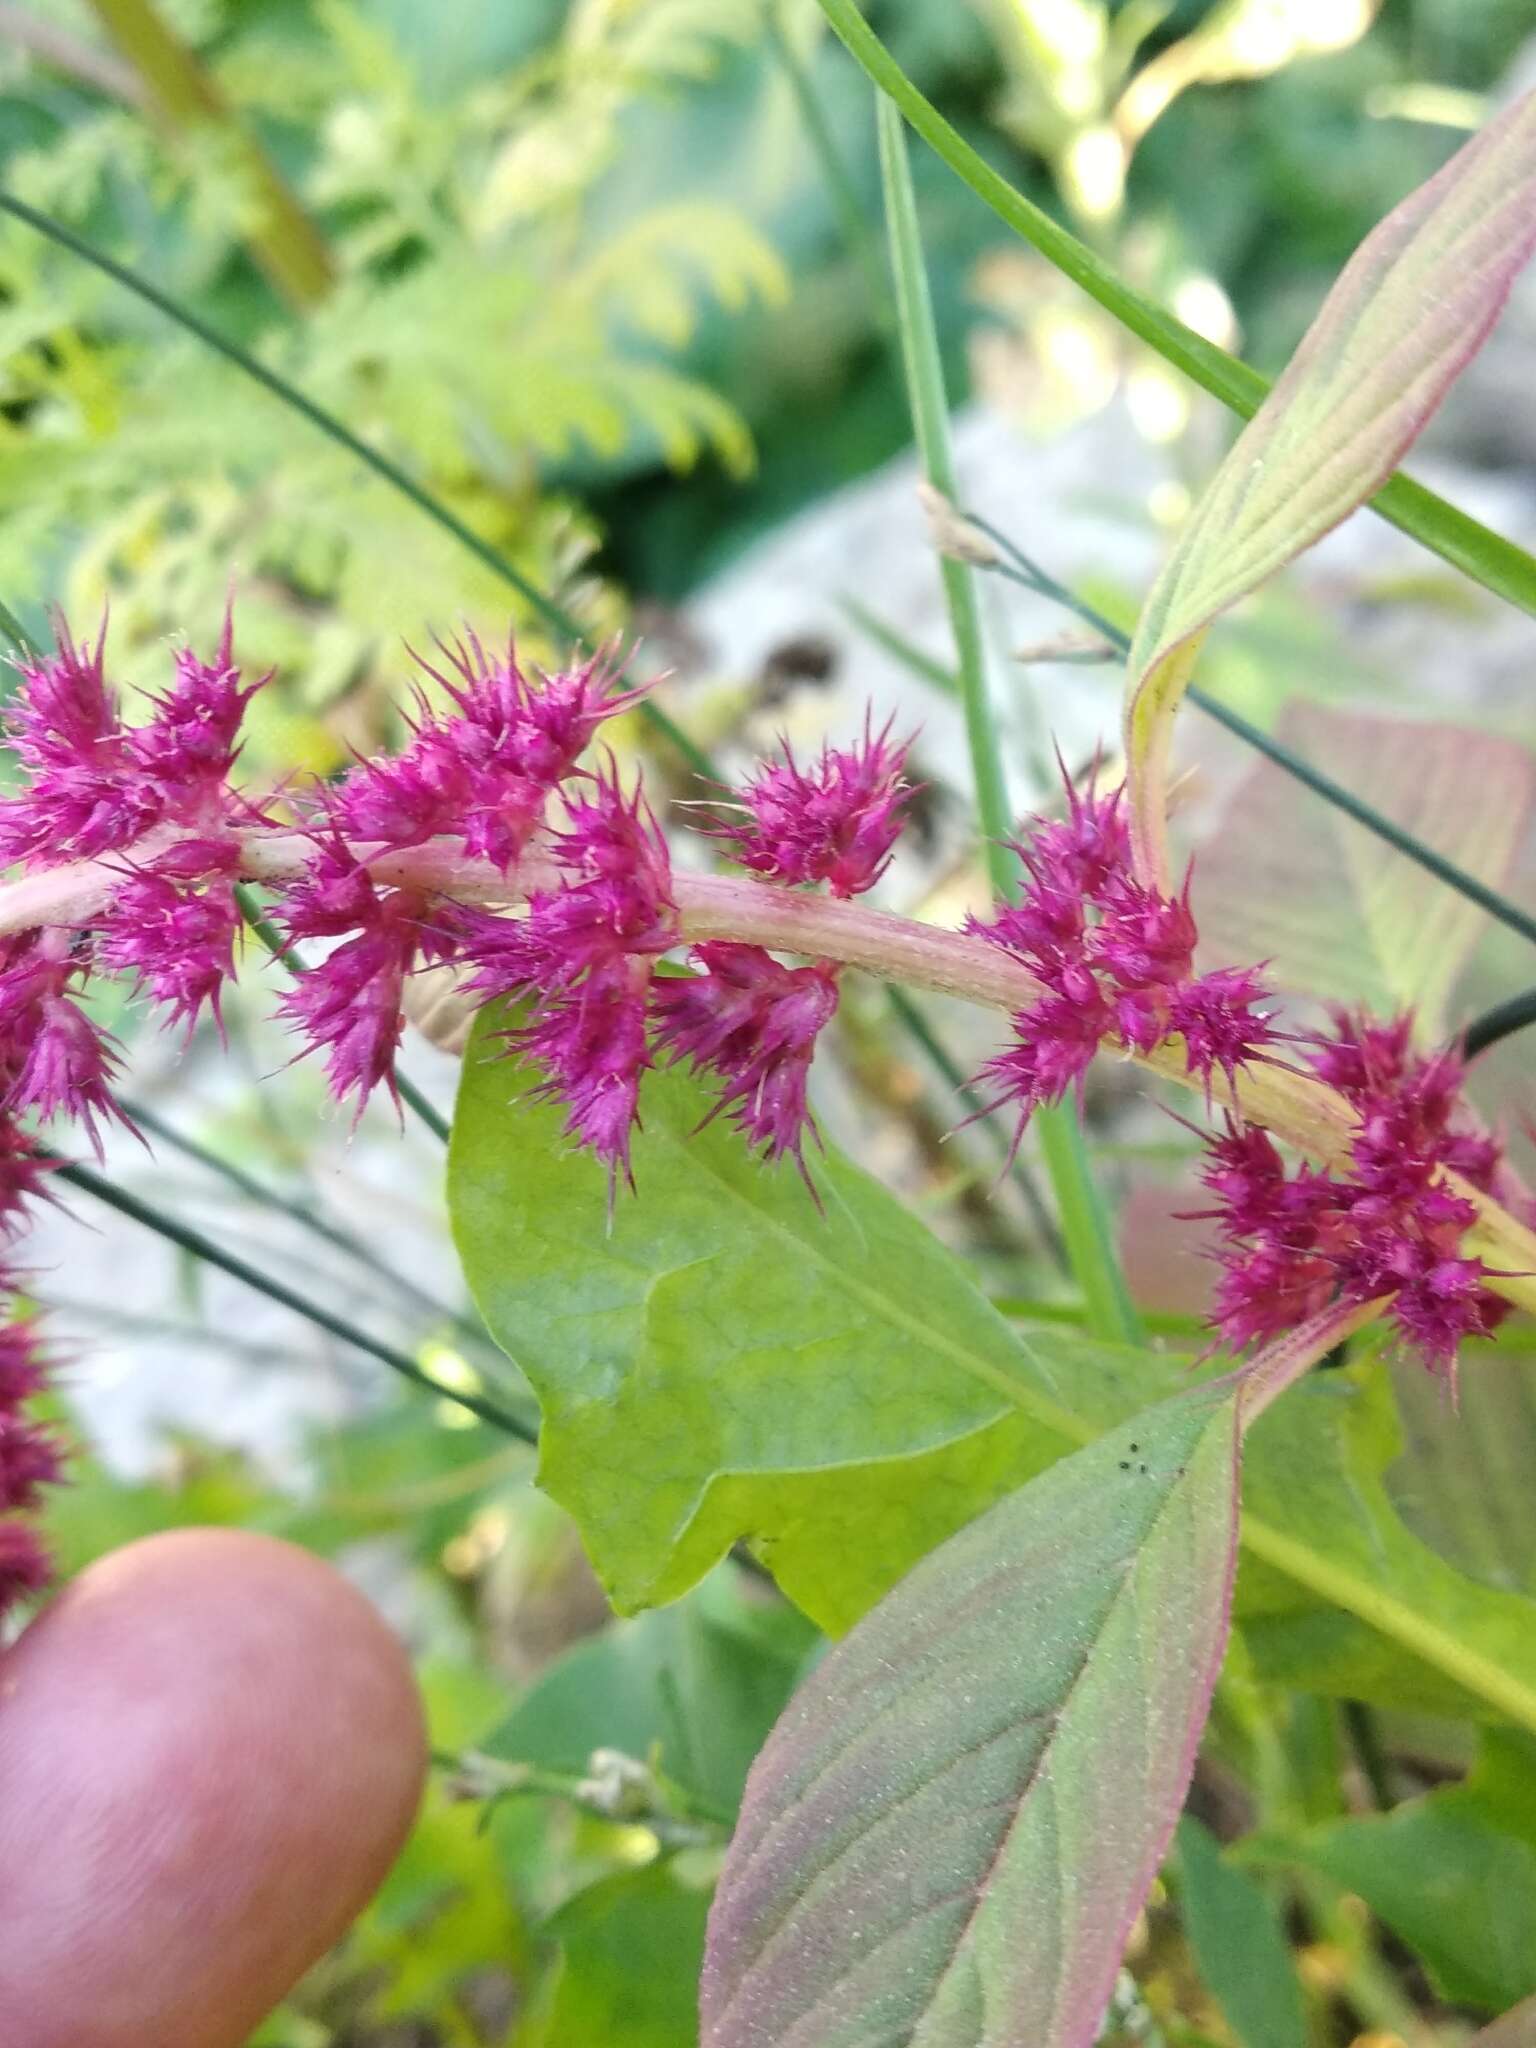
(1411, 307)
(1498, 564)
(1239, 1942)
(947, 1837)
(1085, 1223)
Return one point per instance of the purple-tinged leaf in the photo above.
(1410, 309)
(1289, 879)
(948, 1835)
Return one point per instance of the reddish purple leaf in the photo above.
(1288, 878)
(949, 1833)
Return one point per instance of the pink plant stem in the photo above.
(1296, 1107)
(1280, 1364)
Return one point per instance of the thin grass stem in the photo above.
(1084, 1220)
(924, 1036)
(258, 923)
(1479, 553)
(193, 1241)
(258, 1192)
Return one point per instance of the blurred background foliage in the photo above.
(576, 265)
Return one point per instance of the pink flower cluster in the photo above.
(497, 772)
(31, 1457)
(834, 822)
(1391, 1227)
(154, 798)
(584, 956)
(1115, 963)
(493, 768)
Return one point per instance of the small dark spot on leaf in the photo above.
(1134, 1449)
(1125, 1464)
(1143, 1469)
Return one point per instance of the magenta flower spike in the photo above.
(753, 1024)
(177, 940)
(485, 768)
(834, 822)
(1116, 961)
(1390, 1227)
(53, 1059)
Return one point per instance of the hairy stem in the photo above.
(1297, 1107)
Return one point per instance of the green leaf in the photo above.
(1410, 308)
(947, 1837)
(1467, 1475)
(1498, 564)
(700, 1682)
(1289, 879)
(725, 1362)
(1339, 1596)
(631, 1949)
(728, 1361)
(1239, 1943)
(1453, 1874)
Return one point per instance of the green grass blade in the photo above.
(1084, 1223)
(1486, 557)
(922, 1034)
(899, 647)
(858, 229)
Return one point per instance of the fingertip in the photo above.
(211, 1751)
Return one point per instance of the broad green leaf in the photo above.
(631, 1947)
(1338, 1595)
(727, 1361)
(700, 1683)
(948, 1835)
(1466, 1480)
(1239, 1941)
(1288, 879)
(1453, 1874)
(1411, 307)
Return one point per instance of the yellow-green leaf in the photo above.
(1410, 309)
